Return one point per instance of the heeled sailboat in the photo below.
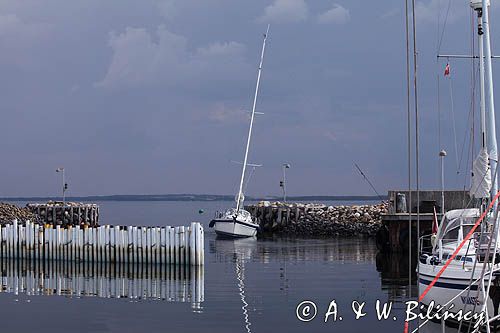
(237, 222)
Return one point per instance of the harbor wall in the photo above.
(64, 214)
(317, 220)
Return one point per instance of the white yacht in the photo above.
(469, 282)
(237, 222)
(459, 265)
(232, 224)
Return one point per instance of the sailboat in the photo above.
(237, 222)
(460, 270)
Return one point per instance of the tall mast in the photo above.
(491, 132)
(482, 101)
(240, 199)
(409, 142)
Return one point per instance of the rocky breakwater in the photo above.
(67, 213)
(318, 220)
(10, 212)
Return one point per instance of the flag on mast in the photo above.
(447, 70)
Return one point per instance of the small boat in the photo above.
(237, 222)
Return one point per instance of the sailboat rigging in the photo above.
(460, 270)
(238, 222)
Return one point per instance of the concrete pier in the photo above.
(393, 236)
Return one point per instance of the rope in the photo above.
(369, 182)
(444, 25)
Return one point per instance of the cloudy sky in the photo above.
(153, 96)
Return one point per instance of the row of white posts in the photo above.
(173, 283)
(114, 244)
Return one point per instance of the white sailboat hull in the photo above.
(453, 281)
(234, 228)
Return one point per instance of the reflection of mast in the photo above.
(240, 275)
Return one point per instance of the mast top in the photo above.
(478, 4)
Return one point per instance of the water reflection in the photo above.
(241, 251)
(295, 250)
(289, 255)
(135, 282)
(394, 269)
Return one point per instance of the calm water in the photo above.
(245, 286)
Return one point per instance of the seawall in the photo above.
(318, 220)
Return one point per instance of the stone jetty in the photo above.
(10, 212)
(52, 212)
(67, 213)
(318, 220)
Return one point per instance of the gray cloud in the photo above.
(142, 58)
(285, 11)
(19, 38)
(224, 114)
(168, 8)
(337, 14)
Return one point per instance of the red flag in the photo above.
(447, 70)
(435, 222)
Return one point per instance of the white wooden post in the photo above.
(148, 245)
(15, 238)
(162, 246)
(182, 245)
(192, 244)
(177, 246)
(167, 245)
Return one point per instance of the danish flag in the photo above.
(447, 70)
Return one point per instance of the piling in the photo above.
(145, 245)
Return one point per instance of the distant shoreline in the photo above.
(195, 197)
